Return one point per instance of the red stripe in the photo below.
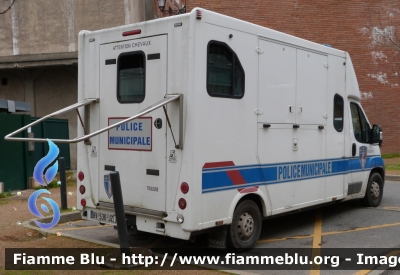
(218, 164)
(236, 177)
(248, 190)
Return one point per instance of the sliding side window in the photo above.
(225, 74)
(131, 77)
(338, 112)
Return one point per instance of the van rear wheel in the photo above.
(245, 229)
(374, 192)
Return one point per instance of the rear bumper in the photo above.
(146, 222)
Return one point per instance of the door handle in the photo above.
(353, 149)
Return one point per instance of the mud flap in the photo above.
(217, 238)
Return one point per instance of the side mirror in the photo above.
(376, 135)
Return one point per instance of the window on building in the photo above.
(225, 74)
(338, 112)
(131, 77)
(360, 125)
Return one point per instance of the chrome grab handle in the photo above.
(168, 98)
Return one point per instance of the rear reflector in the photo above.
(184, 187)
(182, 203)
(82, 189)
(81, 175)
(131, 32)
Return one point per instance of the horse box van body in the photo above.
(265, 123)
(221, 123)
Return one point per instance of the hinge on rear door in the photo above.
(258, 111)
(87, 121)
(259, 50)
(169, 124)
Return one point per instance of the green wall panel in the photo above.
(15, 160)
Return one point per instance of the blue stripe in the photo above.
(216, 179)
(213, 180)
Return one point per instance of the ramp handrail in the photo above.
(168, 98)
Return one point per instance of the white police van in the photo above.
(221, 123)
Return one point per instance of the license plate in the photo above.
(103, 217)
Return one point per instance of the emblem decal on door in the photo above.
(363, 156)
(172, 157)
(94, 152)
(107, 185)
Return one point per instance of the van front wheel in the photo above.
(245, 229)
(374, 192)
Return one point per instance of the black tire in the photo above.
(374, 192)
(245, 229)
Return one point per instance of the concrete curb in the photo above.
(392, 177)
(66, 217)
(71, 216)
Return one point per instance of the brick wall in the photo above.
(338, 23)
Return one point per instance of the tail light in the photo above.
(83, 202)
(182, 203)
(81, 176)
(184, 187)
(82, 189)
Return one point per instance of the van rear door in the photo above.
(133, 76)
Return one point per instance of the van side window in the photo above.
(338, 112)
(131, 77)
(225, 74)
(360, 125)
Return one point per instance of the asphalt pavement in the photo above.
(342, 226)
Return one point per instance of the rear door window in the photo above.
(131, 77)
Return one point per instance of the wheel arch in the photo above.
(259, 199)
(256, 198)
(380, 171)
